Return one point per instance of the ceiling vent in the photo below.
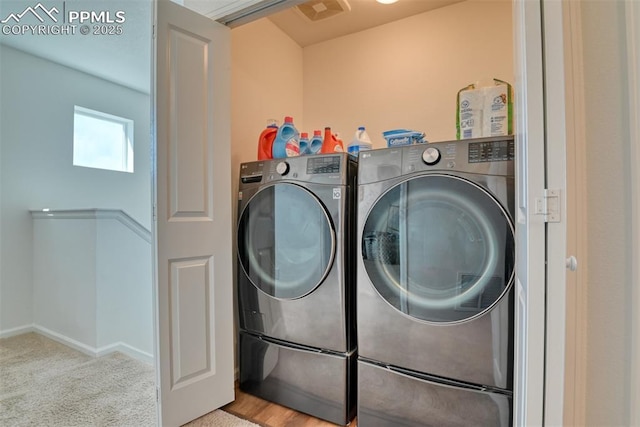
(317, 10)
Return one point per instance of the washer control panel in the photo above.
(331, 169)
(324, 164)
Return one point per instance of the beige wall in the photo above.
(401, 75)
(609, 215)
(406, 74)
(266, 83)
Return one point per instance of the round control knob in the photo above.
(431, 156)
(282, 168)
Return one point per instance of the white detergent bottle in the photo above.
(360, 142)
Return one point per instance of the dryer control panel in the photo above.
(487, 156)
(491, 151)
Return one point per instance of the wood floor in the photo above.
(270, 414)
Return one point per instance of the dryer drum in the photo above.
(286, 242)
(381, 246)
(437, 245)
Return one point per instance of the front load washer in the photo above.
(435, 284)
(296, 283)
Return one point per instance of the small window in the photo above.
(102, 141)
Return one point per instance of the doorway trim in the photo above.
(633, 44)
(576, 358)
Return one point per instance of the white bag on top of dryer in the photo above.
(485, 111)
(469, 112)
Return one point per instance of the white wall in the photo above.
(407, 74)
(124, 285)
(64, 271)
(608, 262)
(36, 137)
(92, 285)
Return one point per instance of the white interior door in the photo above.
(193, 215)
(541, 247)
(530, 228)
(560, 173)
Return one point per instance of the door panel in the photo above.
(190, 332)
(530, 228)
(189, 168)
(194, 293)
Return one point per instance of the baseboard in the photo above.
(17, 331)
(63, 339)
(126, 349)
(92, 351)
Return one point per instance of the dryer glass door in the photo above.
(439, 248)
(286, 242)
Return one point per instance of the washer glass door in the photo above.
(439, 248)
(286, 241)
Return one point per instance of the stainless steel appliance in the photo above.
(435, 284)
(296, 283)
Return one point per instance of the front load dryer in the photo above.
(435, 284)
(296, 284)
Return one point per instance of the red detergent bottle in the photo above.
(331, 143)
(265, 142)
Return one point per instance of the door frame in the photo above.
(537, 379)
(566, 297)
(633, 44)
(575, 386)
(529, 328)
(563, 301)
(566, 162)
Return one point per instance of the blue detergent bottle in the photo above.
(315, 143)
(287, 142)
(304, 144)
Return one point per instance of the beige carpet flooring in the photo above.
(44, 383)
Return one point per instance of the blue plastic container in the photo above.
(304, 144)
(315, 143)
(287, 142)
(398, 137)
